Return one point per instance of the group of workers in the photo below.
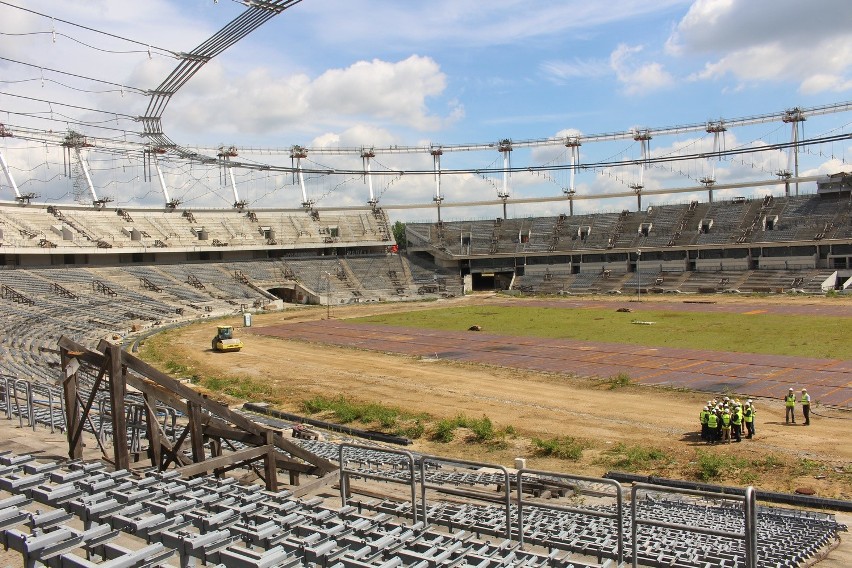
(726, 419)
(721, 419)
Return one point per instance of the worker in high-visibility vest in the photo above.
(712, 424)
(702, 417)
(737, 421)
(806, 406)
(726, 426)
(790, 405)
(748, 417)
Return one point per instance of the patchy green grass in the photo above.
(563, 447)
(618, 381)
(634, 458)
(745, 333)
(387, 418)
(713, 467)
(482, 430)
(238, 387)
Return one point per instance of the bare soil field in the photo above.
(607, 421)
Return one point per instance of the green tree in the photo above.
(398, 230)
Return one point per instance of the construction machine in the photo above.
(225, 340)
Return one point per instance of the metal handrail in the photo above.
(748, 536)
(618, 515)
(345, 473)
(507, 500)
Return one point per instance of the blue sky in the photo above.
(326, 73)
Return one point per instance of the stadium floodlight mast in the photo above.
(638, 276)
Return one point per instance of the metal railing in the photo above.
(618, 515)
(748, 536)
(346, 473)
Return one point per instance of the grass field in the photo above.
(561, 422)
(803, 336)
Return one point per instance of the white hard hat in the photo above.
(749, 401)
(791, 388)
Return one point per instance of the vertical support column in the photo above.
(717, 129)
(644, 139)
(196, 431)
(366, 155)
(436, 163)
(794, 116)
(297, 154)
(225, 155)
(72, 404)
(152, 431)
(505, 148)
(117, 390)
(573, 145)
(270, 469)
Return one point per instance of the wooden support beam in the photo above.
(269, 464)
(153, 431)
(196, 432)
(166, 397)
(175, 454)
(237, 458)
(174, 393)
(325, 481)
(117, 390)
(72, 410)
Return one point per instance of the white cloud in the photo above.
(465, 22)
(561, 72)
(259, 102)
(779, 41)
(641, 78)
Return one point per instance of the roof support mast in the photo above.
(161, 179)
(366, 155)
(718, 130)
(644, 139)
(573, 145)
(298, 153)
(72, 143)
(85, 167)
(794, 116)
(505, 148)
(9, 177)
(436, 162)
(22, 199)
(225, 155)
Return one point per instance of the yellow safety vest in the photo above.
(790, 400)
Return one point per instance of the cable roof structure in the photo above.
(264, 176)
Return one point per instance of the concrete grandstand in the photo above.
(769, 244)
(99, 273)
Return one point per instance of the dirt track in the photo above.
(535, 404)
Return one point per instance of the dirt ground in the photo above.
(533, 404)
